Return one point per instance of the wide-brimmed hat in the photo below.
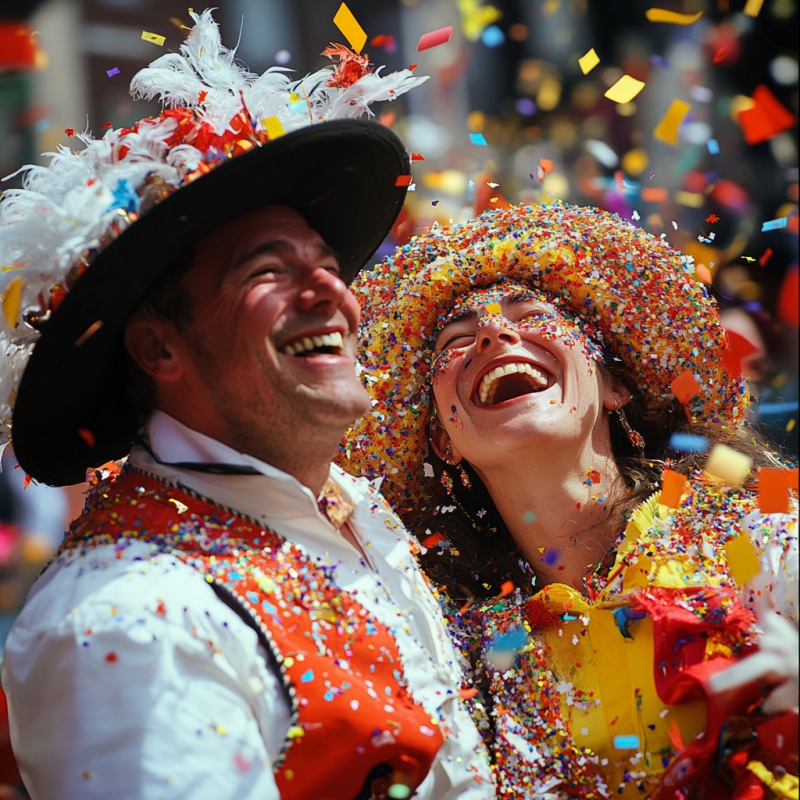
(640, 298)
(86, 237)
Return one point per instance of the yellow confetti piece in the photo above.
(743, 559)
(493, 308)
(689, 199)
(667, 129)
(662, 15)
(588, 61)
(12, 299)
(273, 126)
(752, 8)
(728, 466)
(182, 507)
(624, 90)
(348, 25)
(154, 38)
(178, 24)
(296, 732)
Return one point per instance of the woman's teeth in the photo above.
(311, 343)
(489, 384)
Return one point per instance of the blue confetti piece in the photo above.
(329, 695)
(307, 677)
(492, 36)
(511, 642)
(529, 517)
(434, 202)
(774, 224)
(478, 138)
(688, 443)
(659, 61)
(112, 72)
(626, 742)
(713, 146)
(550, 556)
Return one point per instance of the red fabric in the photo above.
(9, 774)
(17, 47)
(332, 652)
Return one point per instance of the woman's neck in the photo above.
(556, 508)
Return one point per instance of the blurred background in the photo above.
(515, 111)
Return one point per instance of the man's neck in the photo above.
(556, 510)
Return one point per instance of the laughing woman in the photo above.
(522, 370)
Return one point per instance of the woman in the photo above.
(528, 362)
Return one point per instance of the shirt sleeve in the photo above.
(775, 537)
(148, 688)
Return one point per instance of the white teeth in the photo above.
(309, 343)
(487, 388)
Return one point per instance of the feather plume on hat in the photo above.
(214, 109)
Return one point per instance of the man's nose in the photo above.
(322, 290)
(495, 330)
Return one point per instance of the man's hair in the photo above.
(167, 299)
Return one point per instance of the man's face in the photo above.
(272, 343)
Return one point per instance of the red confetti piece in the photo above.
(106, 124)
(161, 609)
(773, 490)
(685, 387)
(467, 694)
(712, 218)
(387, 119)
(27, 482)
(412, 67)
(720, 55)
(201, 97)
(383, 40)
(506, 588)
(403, 180)
(69, 131)
(651, 194)
(417, 157)
(767, 118)
(434, 538)
(87, 436)
(766, 257)
(738, 348)
(434, 38)
(112, 657)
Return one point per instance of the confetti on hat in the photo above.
(214, 110)
(601, 267)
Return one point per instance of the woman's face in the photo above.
(512, 369)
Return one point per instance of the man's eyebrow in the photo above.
(283, 247)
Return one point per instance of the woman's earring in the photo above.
(636, 438)
(464, 476)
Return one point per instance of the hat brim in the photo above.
(72, 412)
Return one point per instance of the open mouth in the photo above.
(509, 381)
(325, 344)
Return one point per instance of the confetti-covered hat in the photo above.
(640, 298)
(88, 234)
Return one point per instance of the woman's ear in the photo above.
(616, 397)
(441, 442)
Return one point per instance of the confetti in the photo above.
(12, 299)
(685, 387)
(765, 257)
(629, 742)
(743, 560)
(417, 157)
(434, 38)
(653, 194)
(351, 30)
(529, 517)
(667, 128)
(550, 556)
(752, 8)
(773, 224)
(588, 61)
(403, 180)
(662, 15)
(766, 118)
(492, 36)
(434, 203)
(712, 218)
(69, 131)
(87, 436)
(688, 443)
(728, 466)
(154, 38)
(478, 138)
(773, 490)
(307, 676)
(624, 90)
(112, 72)
(273, 126)
(386, 41)
(658, 61)
(737, 348)
(112, 657)
(673, 487)
(713, 146)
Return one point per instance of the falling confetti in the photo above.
(434, 38)
(624, 90)
(662, 15)
(351, 30)
(112, 72)
(667, 128)
(154, 38)
(588, 61)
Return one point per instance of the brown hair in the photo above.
(483, 555)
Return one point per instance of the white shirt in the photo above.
(127, 677)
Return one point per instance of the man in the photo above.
(232, 616)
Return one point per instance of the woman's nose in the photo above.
(494, 330)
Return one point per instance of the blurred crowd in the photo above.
(510, 114)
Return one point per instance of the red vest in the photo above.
(351, 711)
